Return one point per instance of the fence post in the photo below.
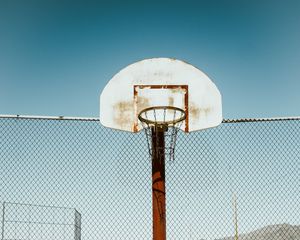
(77, 225)
(3, 216)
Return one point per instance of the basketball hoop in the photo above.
(159, 95)
(164, 120)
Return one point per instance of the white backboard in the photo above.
(160, 82)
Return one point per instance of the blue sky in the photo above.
(56, 56)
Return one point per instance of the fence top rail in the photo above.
(97, 119)
(260, 119)
(38, 205)
(49, 117)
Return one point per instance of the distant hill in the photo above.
(272, 232)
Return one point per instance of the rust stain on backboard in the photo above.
(143, 102)
(171, 101)
(197, 113)
(160, 86)
(122, 115)
(194, 111)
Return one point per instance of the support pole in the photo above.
(158, 183)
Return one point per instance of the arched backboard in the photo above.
(160, 82)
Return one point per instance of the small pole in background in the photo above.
(236, 234)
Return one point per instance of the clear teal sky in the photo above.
(56, 56)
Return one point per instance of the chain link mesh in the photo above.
(106, 176)
(28, 221)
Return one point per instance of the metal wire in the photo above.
(103, 173)
(31, 221)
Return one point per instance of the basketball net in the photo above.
(156, 120)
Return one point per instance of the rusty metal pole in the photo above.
(158, 183)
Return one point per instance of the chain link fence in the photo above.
(106, 176)
(28, 221)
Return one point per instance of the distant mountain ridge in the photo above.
(272, 232)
